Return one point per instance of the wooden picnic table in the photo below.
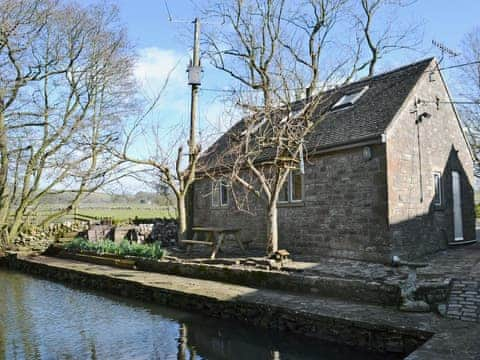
(214, 236)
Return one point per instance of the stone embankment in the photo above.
(382, 288)
(370, 326)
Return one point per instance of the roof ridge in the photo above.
(388, 72)
(346, 120)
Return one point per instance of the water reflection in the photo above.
(45, 320)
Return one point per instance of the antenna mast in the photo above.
(194, 71)
(444, 50)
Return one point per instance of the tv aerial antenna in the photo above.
(444, 50)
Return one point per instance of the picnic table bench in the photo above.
(214, 237)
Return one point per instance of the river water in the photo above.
(45, 320)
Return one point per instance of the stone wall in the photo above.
(163, 230)
(344, 212)
(414, 152)
(249, 217)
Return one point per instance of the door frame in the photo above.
(457, 207)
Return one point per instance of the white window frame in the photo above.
(438, 174)
(223, 184)
(289, 184)
(217, 190)
(292, 114)
(342, 103)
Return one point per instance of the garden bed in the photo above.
(109, 248)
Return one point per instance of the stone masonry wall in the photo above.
(250, 217)
(414, 153)
(344, 212)
(464, 300)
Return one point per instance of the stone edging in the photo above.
(352, 289)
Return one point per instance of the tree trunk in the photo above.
(14, 229)
(4, 191)
(272, 228)
(181, 217)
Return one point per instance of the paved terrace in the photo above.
(457, 266)
(453, 339)
(456, 262)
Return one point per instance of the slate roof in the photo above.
(367, 118)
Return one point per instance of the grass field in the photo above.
(125, 213)
(118, 212)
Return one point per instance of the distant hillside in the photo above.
(99, 198)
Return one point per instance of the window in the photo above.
(437, 186)
(291, 115)
(283, 196)
(349, 99)
(296, 187)
(252, 125)
(292, 190)
(223, 193)
(219, 193)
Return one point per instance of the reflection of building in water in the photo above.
(213, 339)
(275, 355)
(184, 348)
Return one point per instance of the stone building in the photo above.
(391, 174)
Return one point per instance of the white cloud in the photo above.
(155, 64)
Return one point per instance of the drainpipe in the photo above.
(419, 119)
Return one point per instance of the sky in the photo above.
(161, 45)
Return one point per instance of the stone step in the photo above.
(464, 300)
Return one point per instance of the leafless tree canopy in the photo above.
(65, 84)
(283, 55)
(470, 89)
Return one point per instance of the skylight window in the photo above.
(253, 128)
(291, 115)
(349, 99)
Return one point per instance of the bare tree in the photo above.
(65, 84)
(470, 90)
(167, 163)
(274, 68)
(380, 33)
(283, 57)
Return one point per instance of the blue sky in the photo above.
(148, 25)
(161, 45)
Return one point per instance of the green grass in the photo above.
(122, 214)
(152, 251)
(119, 212)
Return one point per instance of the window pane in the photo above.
(283, 196)
(297, 186)
(437, 198)
(349, 99)
(224, 193)
(215, 194)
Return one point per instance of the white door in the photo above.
(457, 207)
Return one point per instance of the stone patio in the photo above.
(455, 270)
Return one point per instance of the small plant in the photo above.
(125, 248)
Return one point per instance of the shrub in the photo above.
(125, 248)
